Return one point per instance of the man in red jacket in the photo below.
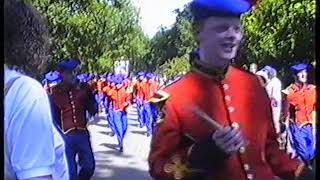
(217, 122)
(71, 101)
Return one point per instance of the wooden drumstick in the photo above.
(214, 124)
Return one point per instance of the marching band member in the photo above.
(300, 113)
(72, 100)
(217, 120)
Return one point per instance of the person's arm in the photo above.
(30, 138)
(194, 159)
(91, 104)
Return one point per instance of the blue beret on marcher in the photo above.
(69, 64)
(202, 9)
(141, 74)
(149, 75)
(82, 77)
(52, 77)
(299, 67)
(117, 80)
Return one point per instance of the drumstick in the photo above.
(214, 124)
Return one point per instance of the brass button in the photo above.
(225, 87)
(235, 125)
(74, 121)
(227, 98)
(74, 117)
(246, 167)
(250, 176)
(72, 102)
(231, 109)
(242, 150)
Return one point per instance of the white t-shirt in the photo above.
(33, 146)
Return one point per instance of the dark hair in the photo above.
(26, 40)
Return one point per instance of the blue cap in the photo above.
(117, 80)
(69, 64)
(202, 9)
(52, 77)
(149, 75)
(82, 77)
(141, 74)
(299, 67)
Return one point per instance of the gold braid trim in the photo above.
(299, 170)
(159, 100)
(179, 168)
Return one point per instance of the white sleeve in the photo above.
(30, 137)
(277, 92)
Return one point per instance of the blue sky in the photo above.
(155, 13)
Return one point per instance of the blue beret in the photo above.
(202, 9)
(141, 74)
(52, 77)
(82, 77)
(69, 64)
(299, 67)
(149, 75)
(117, 80)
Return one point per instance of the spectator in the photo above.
(34, 149)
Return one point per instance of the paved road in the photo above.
(112, 165)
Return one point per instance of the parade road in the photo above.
(112, 165)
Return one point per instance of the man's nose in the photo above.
(231, 33)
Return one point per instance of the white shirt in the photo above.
(273, 89)
(33, 146)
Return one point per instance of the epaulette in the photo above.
(159, 100)
(311, 86)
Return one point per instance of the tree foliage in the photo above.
(280, 33)
(277, 33)
(98, 32)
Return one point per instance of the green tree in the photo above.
(98, 32)
(280, 33)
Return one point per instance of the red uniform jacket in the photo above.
(120, 99)
(239, 98)
(100, 85)
(71, 105)
(153, 88)
(142, 90)
(301, 103)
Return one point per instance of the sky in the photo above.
(155, 13)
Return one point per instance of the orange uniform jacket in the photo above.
(120, 99)
(142, 90)
(237, 98)
(301, 103)
(100, 85)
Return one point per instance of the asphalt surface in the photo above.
(110, 163)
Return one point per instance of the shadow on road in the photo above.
(112, 153)
(134, 124)
(139, 132)
(121, 173)
(110, 146)
(108, 133)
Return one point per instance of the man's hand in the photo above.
(229, 139)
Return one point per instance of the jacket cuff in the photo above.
(205, 155)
